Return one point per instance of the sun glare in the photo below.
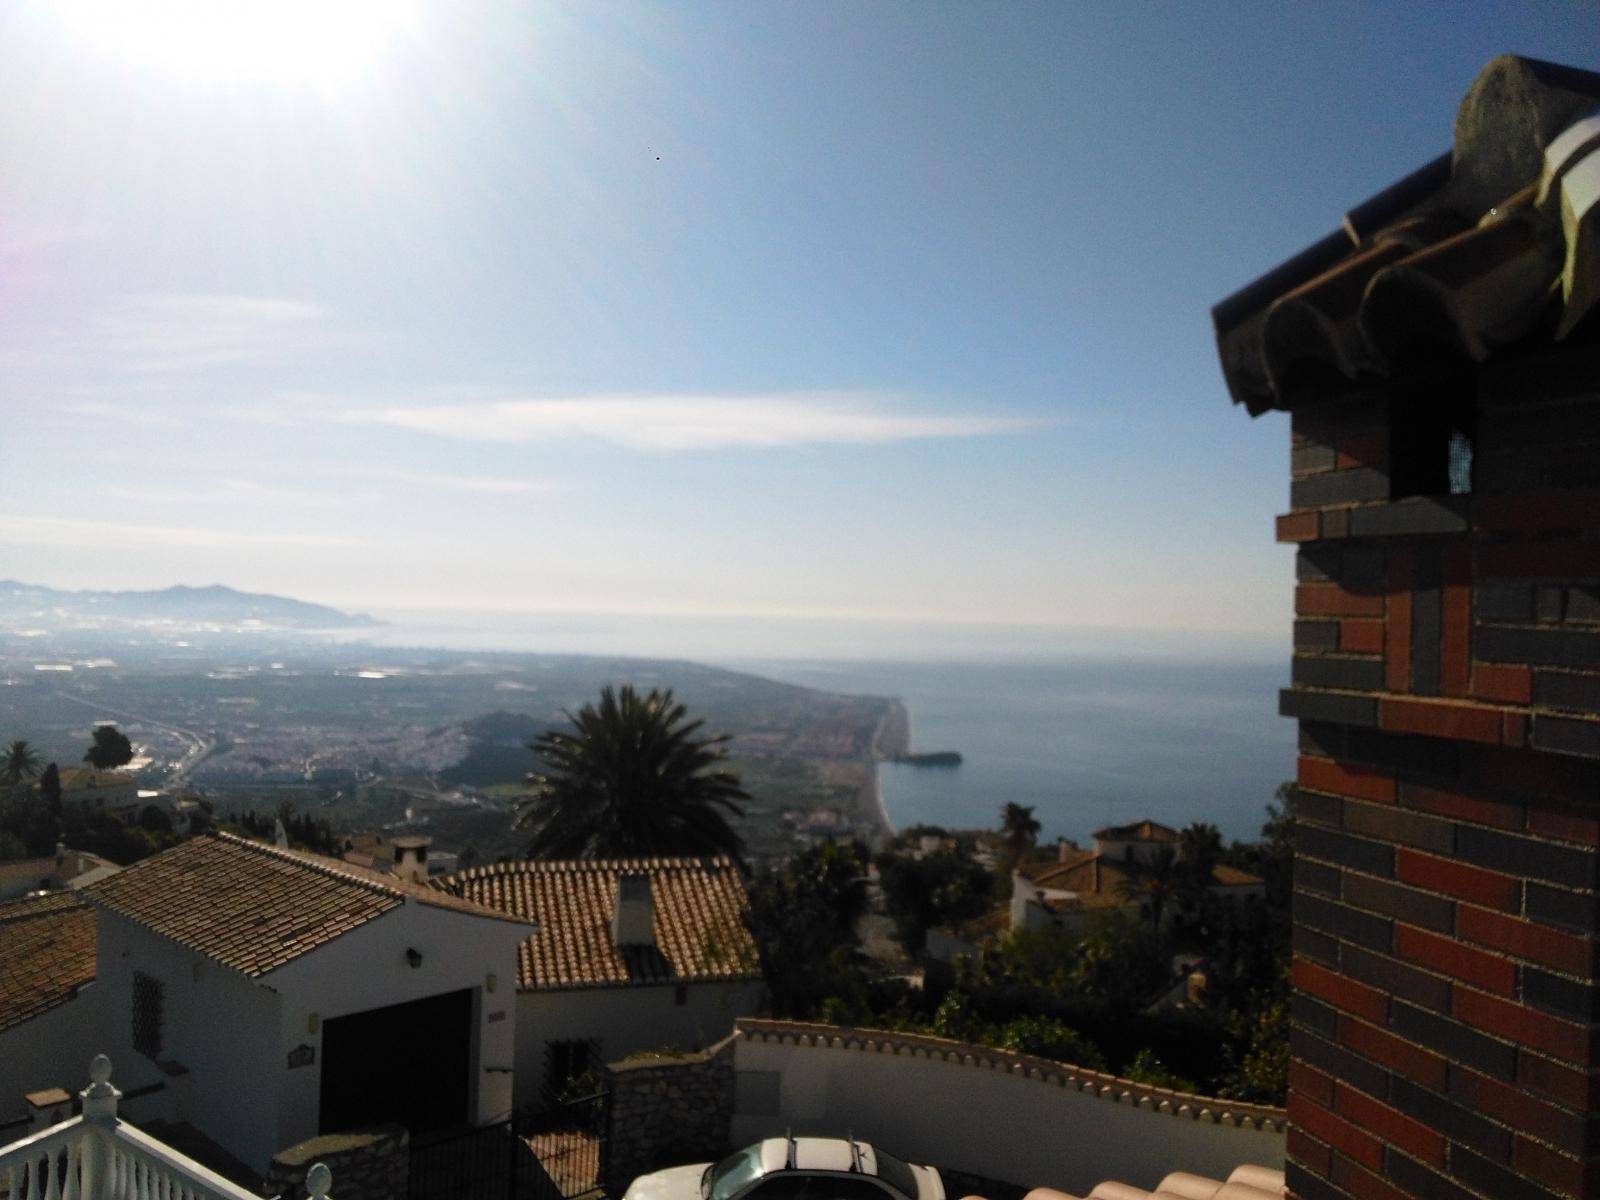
(323, 43)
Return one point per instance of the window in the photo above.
(680, 994)
(146, 1014)
(1432, 429)
(571, 1069)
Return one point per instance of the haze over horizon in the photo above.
(813, 317)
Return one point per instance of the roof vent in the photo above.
(633, 924)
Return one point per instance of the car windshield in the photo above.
(732, 1173)
(896, 1174)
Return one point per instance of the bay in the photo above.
(1085, 741)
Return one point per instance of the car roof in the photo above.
(816, 1154)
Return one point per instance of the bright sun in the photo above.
(324, 43)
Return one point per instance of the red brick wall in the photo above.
(1447, 680)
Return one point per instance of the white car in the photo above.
(795, 1168)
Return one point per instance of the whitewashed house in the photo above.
(275, 995)
(630, 955)
(47, 1006)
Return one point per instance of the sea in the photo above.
(1085, 742)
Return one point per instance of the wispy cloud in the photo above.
(158, 334)
(82, 534)
(693, 422)
(454, 483)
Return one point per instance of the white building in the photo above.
(630, 955)
(47, 1011)
(114, 791)
(276, 995)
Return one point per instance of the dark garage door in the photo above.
(407, 1063)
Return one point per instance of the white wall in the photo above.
(367, 968)
(217, 1023)
(624, 1020)
(50, 1050)
(969, 1116)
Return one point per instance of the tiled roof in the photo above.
(1101, 881)
(255, 907)
(698, 906)
(49, 953)
(1139, 831)
(1489, 244)
(77, 779)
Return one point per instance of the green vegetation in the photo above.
(1021, 828)
(110, 748)
(1085, 997)
(18, 762)
(804, 919)
(632, 778)
(943, 888)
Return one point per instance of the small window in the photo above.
(1432, 429)
(571, 1069)
(680, 994)
(147, 1014)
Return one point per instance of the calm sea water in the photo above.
(1084, 741)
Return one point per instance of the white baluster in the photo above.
(75, 1149)
(318, 1180)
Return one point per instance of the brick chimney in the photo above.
(633, 924)
(1439, 356)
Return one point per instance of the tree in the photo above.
(1199, 851)
(631, 777)
(1154, 884)
(111, 748)
(803, 918)
(945, 888)
(19, 761)
(1020, 826)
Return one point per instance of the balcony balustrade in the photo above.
(99, 1156)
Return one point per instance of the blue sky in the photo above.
(828, 313)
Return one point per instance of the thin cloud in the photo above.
(693, 422)
(162, 334)
(80, 534)
(457, 483)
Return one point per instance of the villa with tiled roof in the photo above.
(1108, 878)
(629, 955)
(283, 993)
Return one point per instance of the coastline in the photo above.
(891, 738)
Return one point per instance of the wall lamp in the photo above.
(414, 956)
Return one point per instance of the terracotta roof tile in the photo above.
(49, 953)
(255, 907)
(698, 906)
(1139, 831)
(1466, 252)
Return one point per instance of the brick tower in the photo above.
(1440, 358)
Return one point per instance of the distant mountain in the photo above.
(209, 605)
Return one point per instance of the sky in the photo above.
(818, 318)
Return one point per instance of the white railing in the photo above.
(99, 1156)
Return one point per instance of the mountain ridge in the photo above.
(214, 602)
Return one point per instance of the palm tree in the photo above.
(1154, 884)
(630, 777)
(18, 762)
(1019, 825)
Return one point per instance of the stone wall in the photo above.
(367, 1164)
(666, 1111)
